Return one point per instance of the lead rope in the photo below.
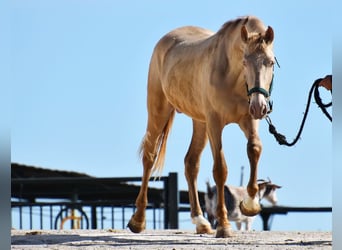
(322, 105)
(281, 139)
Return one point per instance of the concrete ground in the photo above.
(166, 239)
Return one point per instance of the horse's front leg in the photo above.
(192, 165)
(250, 206)
(220, 173)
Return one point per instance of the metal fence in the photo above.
(67, 215)
(100, 203)
(97, 212)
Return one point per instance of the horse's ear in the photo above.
(269, 35)
(244, 33)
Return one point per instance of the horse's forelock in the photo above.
(257, 43)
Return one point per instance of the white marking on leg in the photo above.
(200, 220)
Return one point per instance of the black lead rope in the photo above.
(281, 139)
(322, 105)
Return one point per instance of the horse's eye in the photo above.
(269, 63)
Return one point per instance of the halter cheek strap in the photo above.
(263, 91)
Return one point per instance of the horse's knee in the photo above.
(254, 148)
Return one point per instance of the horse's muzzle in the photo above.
(258, 106)
(258, 113)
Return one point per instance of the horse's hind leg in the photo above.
(250, 206)
(192, 164)
(160, 117)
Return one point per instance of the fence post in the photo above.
(93, 217)
(173, 200)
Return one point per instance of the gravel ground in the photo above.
(166, 239)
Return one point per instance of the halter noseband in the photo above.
(264, 92)
(258, 90)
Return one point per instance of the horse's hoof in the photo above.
(135, 226)
(253, 210)
(204, 229)
(224, 232)
(202, 225)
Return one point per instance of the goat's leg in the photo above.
(249, 222)
(238, 225)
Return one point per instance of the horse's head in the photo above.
(258, 67)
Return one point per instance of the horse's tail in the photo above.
(159, 158)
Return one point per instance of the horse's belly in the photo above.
(185, 101)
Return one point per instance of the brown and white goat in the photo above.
(233, 197)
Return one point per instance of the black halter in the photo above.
(260, 90)
(264, 92)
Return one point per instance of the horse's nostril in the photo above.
(252, 110)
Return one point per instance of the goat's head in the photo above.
(267, 190)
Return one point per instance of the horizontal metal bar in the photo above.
(286, 209)
(82, 180)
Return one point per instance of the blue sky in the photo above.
(79, 70)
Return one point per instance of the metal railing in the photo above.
(82, 215)
(266, 212)
(91, 213)
(106, 206)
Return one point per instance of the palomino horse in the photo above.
(216, 79)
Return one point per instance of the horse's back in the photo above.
(180, 38)
(189, 34)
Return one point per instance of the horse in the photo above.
(215, 79)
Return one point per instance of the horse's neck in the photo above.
(230, 47)
(228, 56)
